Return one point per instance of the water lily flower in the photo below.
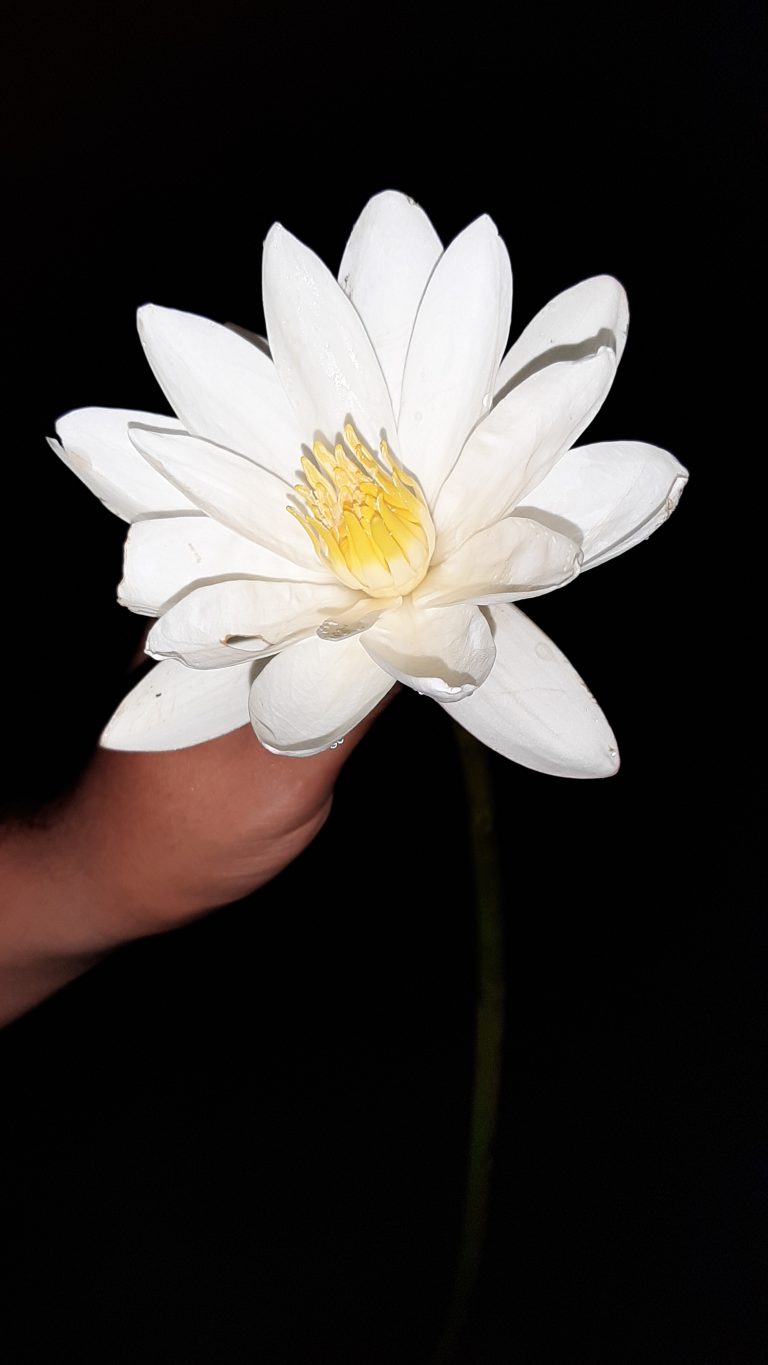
(364, 498)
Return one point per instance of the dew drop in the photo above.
(543, 651)
(332, 630)
(487, 400)
(335, 745)
(613, 753)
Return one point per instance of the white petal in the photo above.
(535, 709)
(264, 616)
(96, 447)
(230, 488)
(609, 496)
(458, 339)
(443, 652)
(222, 387)
(571, 326)
(502, 563)
(174, 707)
(388, 259)
(166, 556)
(322, 351)
(517, 444)
(313, 694)
(253, 338)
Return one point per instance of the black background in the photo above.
(246, 1141)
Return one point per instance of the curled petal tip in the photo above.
(486, 223)
(277, 234)
(146, 316)
(613, 763)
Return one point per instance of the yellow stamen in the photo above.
(366, 517)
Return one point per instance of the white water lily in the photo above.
(364, 499)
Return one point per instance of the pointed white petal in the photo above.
(174, 707)
(502, 563)
(517, 444)
(443, 652)
(535, 709)
(313, 694)
(261, 615)
(322, 351)
(94, 444)
(230, 488)
(166, 556)
(458, 339)
(571, 326)
(388, 259)
(609, 496)
(222, 387)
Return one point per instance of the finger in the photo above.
(300, 789)
(140, 656)
(329, 763)
(231, 775)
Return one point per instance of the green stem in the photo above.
(489, 1029)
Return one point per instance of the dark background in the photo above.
(246, 1141)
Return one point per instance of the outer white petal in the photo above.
(575, 324)
(458, 339)
(517, 444)
(534, 707)
(222, 387)
(443, 652)
(501, 563)
(263, 616)
(609, 496)
(94, 444)
(174, 707)
(313, 694)
(322, 351)
(388, 259)
(230, 488)
(166, 556)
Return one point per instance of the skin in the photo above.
(147, 842)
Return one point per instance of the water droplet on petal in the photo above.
(543, 651)
(613, 753)
(334, 745)
(487, 400)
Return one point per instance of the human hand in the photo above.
(184, 831)
(148, 841)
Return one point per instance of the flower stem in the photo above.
(489, 1029)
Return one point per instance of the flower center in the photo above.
(366, 518)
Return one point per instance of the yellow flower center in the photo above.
(367, 518)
